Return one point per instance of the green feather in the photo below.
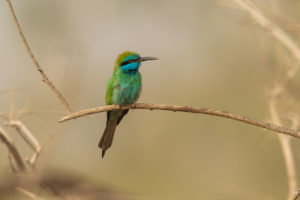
(122, 88)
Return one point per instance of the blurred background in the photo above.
(210, 55)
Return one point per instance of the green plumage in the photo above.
(122, 88)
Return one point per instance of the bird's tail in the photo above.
(108, 135)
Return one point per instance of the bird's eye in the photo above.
(125, 62)
(129, 61)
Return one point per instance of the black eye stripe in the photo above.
(129, 61)
(125, 63)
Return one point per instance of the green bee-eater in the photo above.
(122, 88)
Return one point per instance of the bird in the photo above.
(123, 87)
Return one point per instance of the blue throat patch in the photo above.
(130, 67)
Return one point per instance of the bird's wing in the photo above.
(111, 85)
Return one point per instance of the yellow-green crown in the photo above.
(125, 56)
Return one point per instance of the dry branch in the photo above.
(12, 149)
(26, 134)
(296, 195)
(175, 108)
(37, 65)
(278, 34)
(285, 144)
(284, 40)
(33, 159)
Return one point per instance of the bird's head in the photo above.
(129, 62)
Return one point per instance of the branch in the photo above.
(283, 39)
(296, 195)
(37, 65)
(12, 149)
(32, 161)
(278, 34)
(175, 108)
(26, 134)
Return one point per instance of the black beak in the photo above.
(142, 59)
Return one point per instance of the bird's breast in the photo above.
(128, 90)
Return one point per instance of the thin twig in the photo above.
(286, 42)
(278, 34)
(12, 149)
(296, 195)
(287, 152)
(11, 164)
(207, 111)
(32, 161)
(26, 134)
(37, 65)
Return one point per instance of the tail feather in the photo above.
(108, 135)
(113, 119)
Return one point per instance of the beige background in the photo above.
(210, 56)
